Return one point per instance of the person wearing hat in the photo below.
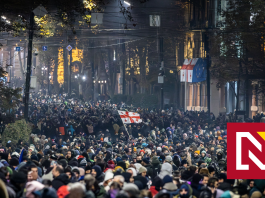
(196, 157)
(147, 165)
(108, 180)
(156, 167)
(171, 188)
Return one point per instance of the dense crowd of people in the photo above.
(83, 150)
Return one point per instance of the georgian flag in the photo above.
(129, 117)
(190, 73)
(183, 75)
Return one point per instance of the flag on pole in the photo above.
(183, 75)
(129, 117)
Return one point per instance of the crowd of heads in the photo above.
(80, 149)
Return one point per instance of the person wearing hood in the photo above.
(60, 178)
(185, 191)
(107, 180)
(156, 167)
(97, 173)
(110, 165)
(205, 158)
(166, 169)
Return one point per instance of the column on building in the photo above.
(222, 108)
(214, 97)
(190, 96)
(260, 97)
(198, 95)
(254, 107)
(204, 97)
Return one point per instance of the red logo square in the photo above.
(245, 150)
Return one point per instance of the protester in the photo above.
(81, 149)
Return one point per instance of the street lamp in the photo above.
(40, 11)
(75, 76)
(84, 77)
(127, 3)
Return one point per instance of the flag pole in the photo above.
(185, 93)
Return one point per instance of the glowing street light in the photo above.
(83, 77)
(127, 3)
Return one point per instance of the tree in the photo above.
(9, 97)
(237, 49)
(20, 130)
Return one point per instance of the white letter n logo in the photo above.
(239, 165)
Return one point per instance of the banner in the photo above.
(129, 117)
(183, 75)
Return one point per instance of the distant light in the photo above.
(3, 17)
(8, 22)
(75, 76)
(98, 81)
(105, 81)
(94, 81)
(114, 55)
(84, 77)
(127, 3)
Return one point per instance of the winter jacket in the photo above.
(196, 160)
(153, 191)
(224, 186)
(89, 194)
(196, 189)
(207, 193)
(59, 181)
(149, 170)
(100, 193)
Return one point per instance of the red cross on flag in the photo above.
(129, 117)
(187, 70)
